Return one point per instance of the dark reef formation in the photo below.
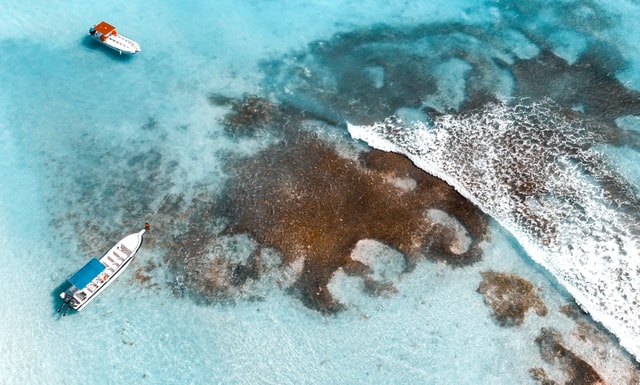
(364, 76)
(302, 198)
(125, 198)
(510, 297)
(307, 201)
(581, 356)
(588, 84)
(248, 115)
(553, 351)
(287, 217)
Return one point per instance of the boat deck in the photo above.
(112, 261)
(122, 43)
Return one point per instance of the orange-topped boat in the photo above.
(106, 34)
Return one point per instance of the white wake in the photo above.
(533, 169)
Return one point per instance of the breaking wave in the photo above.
(533, 168)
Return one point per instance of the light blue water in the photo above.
(80, 128)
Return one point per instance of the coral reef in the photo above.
(510, 297)
(304, 199)
(587, 84)
(553, 351)
(366, 75)
(583, 355)
(287, 217)
(248, 115)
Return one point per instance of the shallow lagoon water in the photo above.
(94, 144)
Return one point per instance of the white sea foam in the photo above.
(533, 168)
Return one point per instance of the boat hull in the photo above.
(130, 47)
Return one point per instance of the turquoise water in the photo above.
(92, 145)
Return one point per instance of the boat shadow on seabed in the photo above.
(58, 303)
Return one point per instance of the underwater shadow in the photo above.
(56, 303)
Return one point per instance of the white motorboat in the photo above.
(106, 34)
(86, 283)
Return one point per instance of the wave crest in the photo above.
(533, 167)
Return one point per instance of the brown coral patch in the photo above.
(540, 375)
(585, 329)
(510, 297)
(202, 268)
(306, 200)
(249, 115)
(377, 288)
(552, 350)
(571, 311)
(142, 277)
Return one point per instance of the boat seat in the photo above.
(125, 250)
(118, 256)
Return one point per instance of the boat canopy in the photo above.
(105, 28)
(87, 273)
